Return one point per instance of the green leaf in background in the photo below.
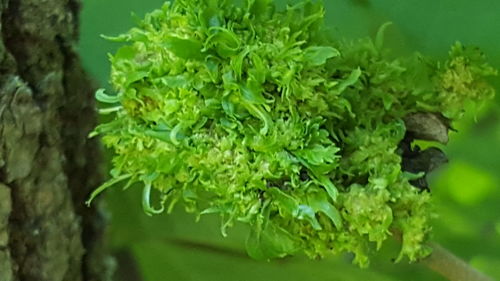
(317, 55)
(467, 184)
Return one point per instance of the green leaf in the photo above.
(178, 81)
(252, 92)
(379, 39)
(105, 98)
(318, 55)
(110, 110)
(146, 196)
(318, 155)
(184, 48)
(106, 185)
(307, 213)
(119, 38)
(259, 112)
(135, 34)
(349, 81)
(125, 53)
(135, 76)
(110, 127)
(412, 176)
(272, 242)
(225, 42)
(284, 201)
(259, 8)
(237, 63)
(319, 203)
(329, 186)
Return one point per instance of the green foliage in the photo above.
(254, 114)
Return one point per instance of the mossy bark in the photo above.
(47, 163)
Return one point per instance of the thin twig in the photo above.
(447, 264)
(450, 266)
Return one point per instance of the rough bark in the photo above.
(47, 163)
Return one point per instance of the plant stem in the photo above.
(450, 266)
(447, 264)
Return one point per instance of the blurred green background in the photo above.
(466, 192)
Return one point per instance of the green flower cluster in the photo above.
(254, 114)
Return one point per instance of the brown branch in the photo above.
(450, 266)
(447, 264)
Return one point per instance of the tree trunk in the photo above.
(47, 163)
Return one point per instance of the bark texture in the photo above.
(47, 163)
